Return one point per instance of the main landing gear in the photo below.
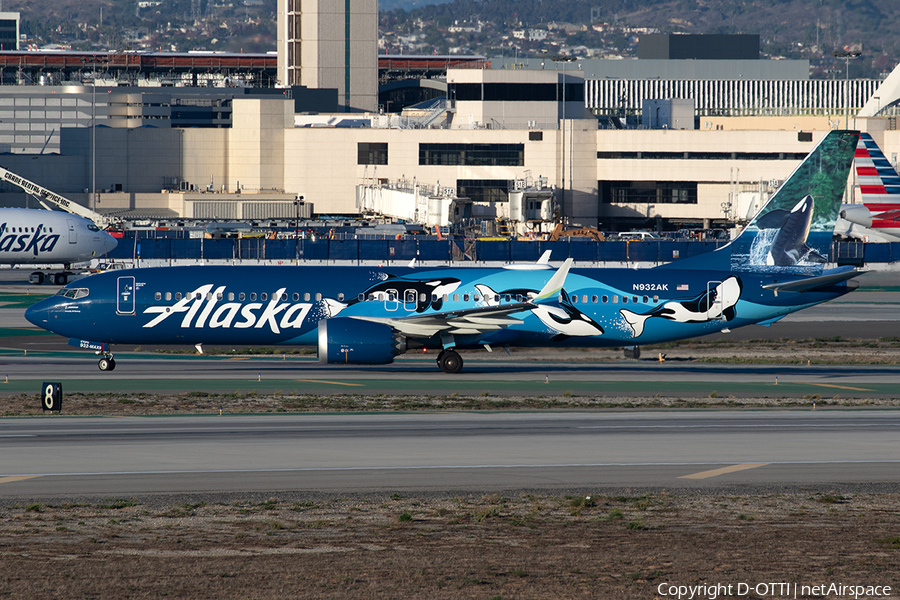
(107, 363)
(450, 361)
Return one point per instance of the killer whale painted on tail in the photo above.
(370, 315)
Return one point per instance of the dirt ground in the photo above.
(486, 547)
(507, 545)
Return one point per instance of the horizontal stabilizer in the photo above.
(814, 283)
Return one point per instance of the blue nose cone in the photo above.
(39, 314)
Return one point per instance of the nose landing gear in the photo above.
(107, 363)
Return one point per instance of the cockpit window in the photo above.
(93, 227)
(73, 293)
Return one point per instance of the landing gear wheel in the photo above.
(60, 278)
(107, 363)
(450, 362)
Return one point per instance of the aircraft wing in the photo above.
(472, 321)
(458, 322)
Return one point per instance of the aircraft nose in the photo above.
(38, 314)
(110, 242)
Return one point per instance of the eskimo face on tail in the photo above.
(716, 303)
(788, 246)
(565, 318)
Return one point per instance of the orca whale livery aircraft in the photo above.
(370, 315)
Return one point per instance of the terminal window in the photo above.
(472, 155)
(483, 190)
(372, 153)
(648, 192)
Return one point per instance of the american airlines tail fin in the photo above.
(879, 186)
(792, 232)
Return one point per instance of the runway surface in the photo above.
(702, 451)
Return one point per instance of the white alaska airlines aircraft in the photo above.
(38, 236)
(369, 315)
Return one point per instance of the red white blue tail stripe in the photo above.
(879, 185)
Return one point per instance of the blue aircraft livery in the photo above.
(370, 315)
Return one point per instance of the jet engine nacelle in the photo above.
(857, 213)
(349, 341)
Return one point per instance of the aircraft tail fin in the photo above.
(792, 232)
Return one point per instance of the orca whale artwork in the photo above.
(371, 315)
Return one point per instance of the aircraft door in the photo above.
(125, 296)
(391, 299)
(73, 231)
(409, 300)
(714, 306)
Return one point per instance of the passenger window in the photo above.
(422, 298)
(371, 297)
(508, 298)
(518, 297)
(604, 298)
(574, 299)
(624, 299)
(230, 296)
(434, 297)
(646, 300)
(178, 295)
(306, 297)
(158, 296)
(198, 296)
(497, 298)
(456, 297)
(219, 296)
(252, 296)
(584, 299)
(295, 296)
(656, 299)
(465, 297)
(168, 295)
(264, 296)
(615, 300)
(341, 297)
(318, 297)
(634, 299)
(242, 296)
(209, 295)
(594, 299)
(361, 297)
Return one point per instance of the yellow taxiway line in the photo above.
(723, 471)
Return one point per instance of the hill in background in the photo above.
(794, 29)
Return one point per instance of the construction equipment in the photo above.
(558, 232)
(44, 196)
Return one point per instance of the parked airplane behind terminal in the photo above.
(38, 236)
(369, 315)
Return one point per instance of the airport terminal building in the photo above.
(679, 143)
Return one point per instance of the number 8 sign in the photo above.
(51, 396)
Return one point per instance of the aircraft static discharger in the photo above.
(370, 315)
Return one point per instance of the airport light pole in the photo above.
(564, 60)
(297, 202)
(846, 55)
